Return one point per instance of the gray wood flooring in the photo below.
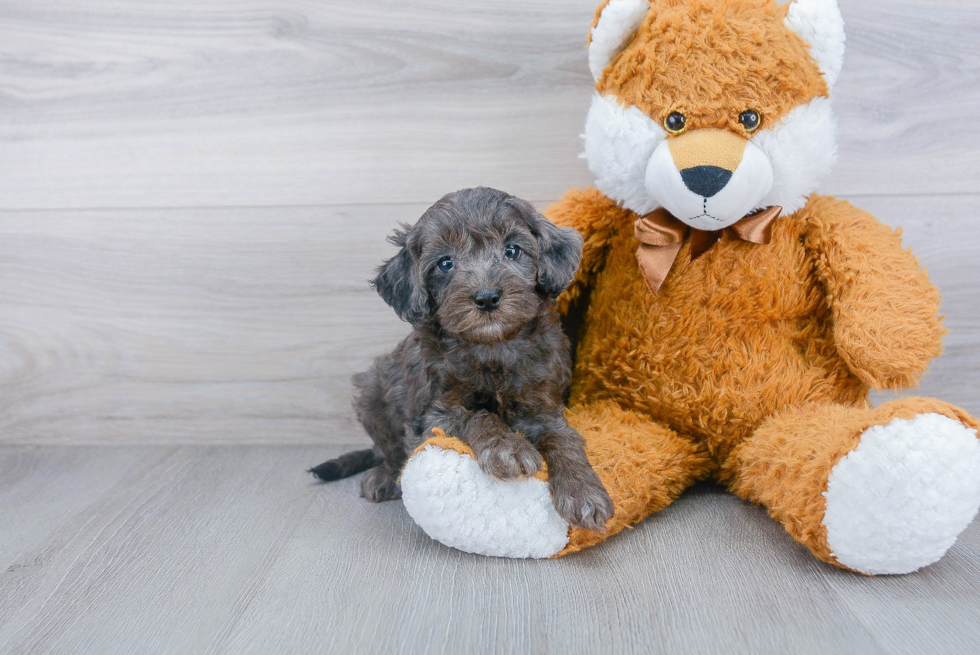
(192, 196)
(223, 549)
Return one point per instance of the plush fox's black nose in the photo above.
(487, 299)
(705, 180)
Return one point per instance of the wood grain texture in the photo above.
(234, 550)
(245, 325)
(126, 103)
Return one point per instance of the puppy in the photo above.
(486, 360)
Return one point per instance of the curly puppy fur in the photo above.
(486, 361)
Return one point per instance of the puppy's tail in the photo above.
(346, 465)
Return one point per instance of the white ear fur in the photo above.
(820, 24)
(618, 22)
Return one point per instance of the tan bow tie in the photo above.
(661, 236)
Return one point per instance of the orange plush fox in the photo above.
(732, 321)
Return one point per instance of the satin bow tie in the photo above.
(661, 236)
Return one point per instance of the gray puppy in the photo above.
(486, 361)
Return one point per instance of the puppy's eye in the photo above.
(675, 123)
(445, 264)
(750, 120)
(513, 252)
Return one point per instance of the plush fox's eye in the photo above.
(513, 252)
(445, 264)
(750, 120)
(675, 122)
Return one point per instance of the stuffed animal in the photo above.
(731, 321)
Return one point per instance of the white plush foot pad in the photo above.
(459, 505)
(898, 501)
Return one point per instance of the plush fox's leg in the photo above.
(642, 464)
(883, 490)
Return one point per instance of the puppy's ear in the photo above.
(400, 283)
(559, 249)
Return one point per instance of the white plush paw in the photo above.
(898, 501)
(459, 505)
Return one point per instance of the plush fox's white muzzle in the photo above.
(633, 160)
(708, 178)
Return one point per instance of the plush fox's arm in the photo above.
(885, 310)
(594, 216)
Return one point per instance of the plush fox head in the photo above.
(712, 109)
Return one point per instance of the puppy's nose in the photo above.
(706, 180)
(487, 299)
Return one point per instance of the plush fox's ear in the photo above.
(616, 22)
(820, 24)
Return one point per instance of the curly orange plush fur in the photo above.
(689, 56)
(752, 364)
(747, 349)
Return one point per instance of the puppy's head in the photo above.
(481, 262)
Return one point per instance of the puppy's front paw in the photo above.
(581, 499)
(511, 458)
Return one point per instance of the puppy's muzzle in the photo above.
(487, 300)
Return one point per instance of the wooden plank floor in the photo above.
(192, 196)
(233, 550)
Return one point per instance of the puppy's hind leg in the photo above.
(383, 423)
